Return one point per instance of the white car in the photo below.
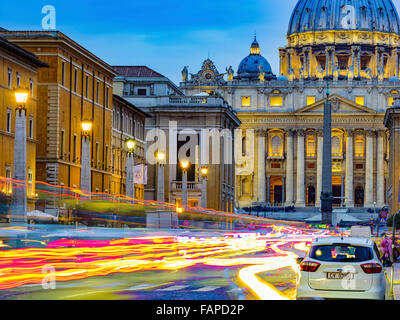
(342, 268)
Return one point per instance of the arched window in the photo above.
(311, 147)
(276, 147)
(359, 146)
(335, 145)
(244, 146)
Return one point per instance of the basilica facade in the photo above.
(351, 47)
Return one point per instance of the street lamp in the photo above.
(184, 166)
(160, 156)
(85, 155)
(19, 195)
(204, 173)
(130, 183)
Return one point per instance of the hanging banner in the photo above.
(140, 174)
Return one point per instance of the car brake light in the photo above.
(309, 266)
(372, 268)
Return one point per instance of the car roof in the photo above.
(351, 240)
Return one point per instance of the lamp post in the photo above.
(204, 172)
(85, 156)
(19, 195)
(160, 176)
(326, 190)
(130, 183)
(184, 166)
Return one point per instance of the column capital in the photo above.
(349, 132)
(300, 132)
(320, 132)
(290, 132)
(259, 132)
(370, 132)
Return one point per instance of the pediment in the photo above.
(340, 105)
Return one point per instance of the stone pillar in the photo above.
(184, 188)
(160, 182)
(130, 184)
(289, 169)
(261, 165)
(392, 122)
(268, 190)
(204, 192)
(349, 201)
(85, 165)
(19, 192)
(300, 194)
(369, 169)
(380, 175)
(320, 135)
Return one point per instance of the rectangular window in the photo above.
(75, 80)
(246, 101)
(97, 91)
(8, 127)
(390, 101)
(360, 100)
(113, 162)
(142, 92)
(310, 100)
(276, 101)
(97, 155)
(8, 188)
(87, 86)
(63, 73)
(31, 87)
(31, 127)
(74, 150)
(107, 92)
(9, 78)
(106, 159)
(62, 144)
(30, 183)
(18, 80)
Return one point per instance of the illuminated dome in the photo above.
(251, 66)
(363, 15)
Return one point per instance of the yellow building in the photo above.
(76, 87)
(127, 124)
(18, 68)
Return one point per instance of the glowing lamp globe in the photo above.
(21, 96)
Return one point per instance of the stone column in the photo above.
(261, 165)
(349, 201)
(268, 190)
(320, 135)
(300, 199)
(130, 185)
(19, 193)
(369, 169)
(184, 188)
(289, 169)
(85, 164)
(380, 175)
(392, 122)
(160, 182)
(204, 192)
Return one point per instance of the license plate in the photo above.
(340, 275)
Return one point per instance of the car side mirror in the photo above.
(299, 260)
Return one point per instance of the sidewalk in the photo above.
(396, 280)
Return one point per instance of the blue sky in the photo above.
(164, 34)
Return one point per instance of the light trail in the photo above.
(73, 259)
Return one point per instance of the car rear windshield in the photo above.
(341, 253)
